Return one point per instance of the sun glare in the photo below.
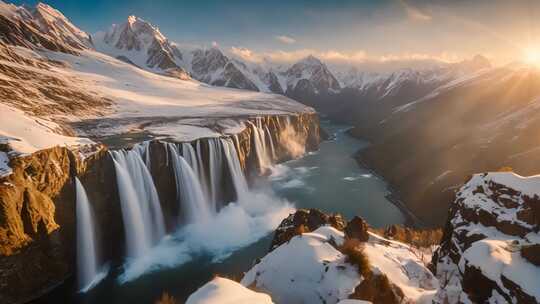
(532, 56)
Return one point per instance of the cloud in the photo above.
(215, 44)
(414, 13)
(280, 56)
(285, 39)
(340, 57)
(246, 54)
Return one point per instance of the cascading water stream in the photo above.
(141, 210)
(237, 175)
(216, 170)
(272, 149)
(188, 187)
(144, 151)
(260, 146)
(202, 171)
(87, 251)
(190, 156)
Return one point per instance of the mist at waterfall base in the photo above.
(215, 238)
(204, 229)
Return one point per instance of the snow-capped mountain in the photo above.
(142, 44)
(310, 76)
(309, 80)
(41, 26)
(382, 85)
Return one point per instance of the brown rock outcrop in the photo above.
(304, 220)
(357, 228)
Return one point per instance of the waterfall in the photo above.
(201, 170)
(141, 210)
(87, 255)
(216, 170)
(260, 146)
(144, 151)
(190, 156)
(272, 149)
(188, 187)
(237, 175)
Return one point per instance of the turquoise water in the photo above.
(331, 180)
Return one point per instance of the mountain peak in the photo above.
(132, 19)
(311, 60)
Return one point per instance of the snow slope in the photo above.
(224, 291)
(166, 106)
(26, 134)
(309, 269)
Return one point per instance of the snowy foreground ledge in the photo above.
(310, 269)
(225, 291)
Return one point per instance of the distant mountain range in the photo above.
(141, 43)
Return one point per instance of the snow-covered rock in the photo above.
(307, 269)
(488, 248)
(225, 291)
(311, 267)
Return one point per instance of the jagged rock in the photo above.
(491, 229)
(304, 220)
(378, 289)
(531, 253)
(357, 228)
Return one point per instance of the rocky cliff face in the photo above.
(490, 248)
(37, 203)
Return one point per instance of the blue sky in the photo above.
(336, 30)
(234, 22)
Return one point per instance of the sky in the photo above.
(346, 31)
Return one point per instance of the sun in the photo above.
(532, 56)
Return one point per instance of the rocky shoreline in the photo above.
(411, 220)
